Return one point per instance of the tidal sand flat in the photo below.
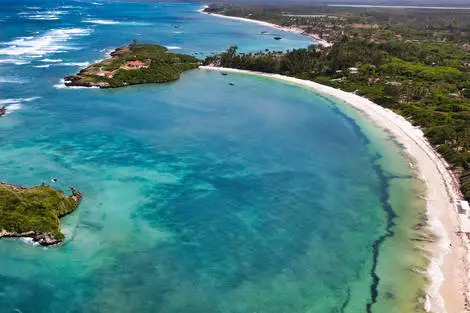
(209, 194)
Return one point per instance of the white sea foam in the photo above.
(51, 60)
(12, 108)
(8, 61)
(136, 23)
(107, 54)
(61, 85)
(42, 66)
(13, 105)
(50, 15)
(173, 47)
(100, 22)
(17, 100)
(111, 22)
(14, 61)
(8, 80)
(30, 241)
(82, 64)
(52, 41)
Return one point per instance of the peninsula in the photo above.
(35, 212)
(132, 65)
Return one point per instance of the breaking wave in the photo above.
(15, 104)
(14, 61)
(51, 15)
(8, 80)
(51, 60)
(100, 22)
(111, 22)
(52, 41)
(74, 64)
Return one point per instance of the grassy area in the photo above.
(35, 209)
(157, 66)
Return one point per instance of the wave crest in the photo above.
(52, 41)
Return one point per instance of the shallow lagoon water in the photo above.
(199, 196)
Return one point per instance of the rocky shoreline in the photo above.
(76, 81)
(43, 238)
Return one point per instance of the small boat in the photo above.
(231, 84)
(264, 32)
(224, 74)
(177, 26)
(277, 38)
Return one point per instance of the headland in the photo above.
(132, 65)
(35, 212)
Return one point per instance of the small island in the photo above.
(35, 212)
(132, 65)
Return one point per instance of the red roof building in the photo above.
(136, 64)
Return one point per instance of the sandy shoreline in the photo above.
(296, 30)
(448, 270)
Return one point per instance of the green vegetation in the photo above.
(134, 64)
(413, 61)
(35, 211)
(331, 23)
(426, 82)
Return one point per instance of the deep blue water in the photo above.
(199, 196)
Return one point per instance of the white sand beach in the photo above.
(448, 270)
(319, 41)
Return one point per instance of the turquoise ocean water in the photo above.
(199, 196)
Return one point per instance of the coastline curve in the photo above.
(446, 292)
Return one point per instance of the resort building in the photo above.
(136, 64)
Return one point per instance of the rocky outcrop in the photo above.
(3, 110)
(44, 239)
(46, 236)
(77, 81)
